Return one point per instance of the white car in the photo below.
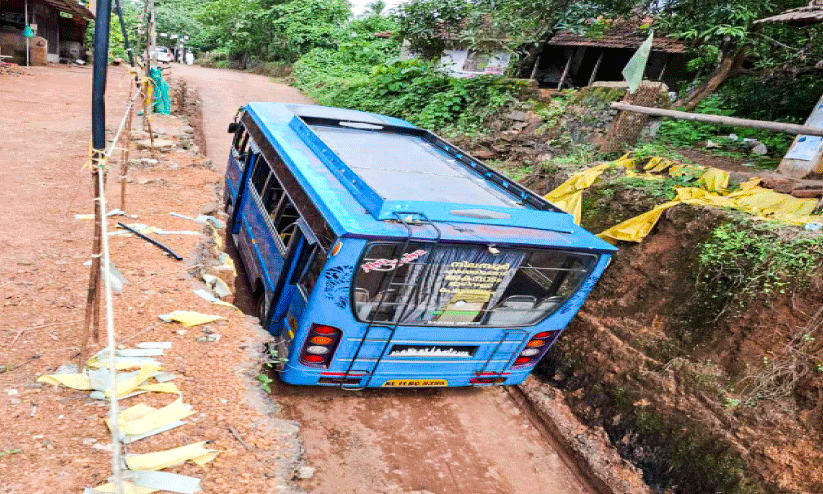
(162, 54)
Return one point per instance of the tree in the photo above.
(428, 24)
(375, 8)
(724, 36)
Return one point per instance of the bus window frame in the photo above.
(355, 277)
(240, 145)
(300, 198)
(304, 291)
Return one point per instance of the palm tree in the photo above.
(375, 8)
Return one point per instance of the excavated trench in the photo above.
(666, 354)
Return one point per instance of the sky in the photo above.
(359, 6)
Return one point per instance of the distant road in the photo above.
(223, 92)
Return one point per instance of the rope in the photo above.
(99, 162)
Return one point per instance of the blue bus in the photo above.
(380, 255)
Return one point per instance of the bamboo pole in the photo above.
(721, 120)
(566, 71)
(597, 67)
(91, 321)
(124, 164)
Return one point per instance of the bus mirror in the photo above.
(233, 127)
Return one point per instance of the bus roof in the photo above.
(364, 170)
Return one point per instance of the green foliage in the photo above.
(266, 30)
(738, 263)
(414, 90)
(782, 97)
(424, 22)
(265, 382)
(117, 46)
(552, 112)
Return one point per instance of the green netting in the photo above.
(162, 103)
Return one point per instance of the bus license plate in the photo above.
(415, 383)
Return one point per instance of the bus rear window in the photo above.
(465, 285)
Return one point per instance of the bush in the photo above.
(413, 90)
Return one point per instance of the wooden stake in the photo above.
(597, 67)
(566, 70)
(124, 164)
(92, 317)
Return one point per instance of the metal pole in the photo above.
(26, 24)
(129, 51)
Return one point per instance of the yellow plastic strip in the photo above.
(196, 452)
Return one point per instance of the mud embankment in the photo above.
(700, 377)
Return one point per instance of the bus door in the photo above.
(300, 246)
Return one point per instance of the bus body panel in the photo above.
(261, 251)
(492, 349)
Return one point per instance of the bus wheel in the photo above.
(260, 306)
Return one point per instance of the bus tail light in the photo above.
(535, 349)
(320, 345)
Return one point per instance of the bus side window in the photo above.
(260, 175)
(272, 195)
(309, 278)
(240, 143)
(283, 217)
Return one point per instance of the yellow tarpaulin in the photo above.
(712, 190)
(762, 203)
(636, 229)
(714, 180)
(569, 195)
(196, 452)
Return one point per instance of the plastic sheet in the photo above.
(189, 318)
(73, 381)
(569, 195)
(196, 452)
(636, 229)
(714, 180)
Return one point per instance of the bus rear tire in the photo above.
(260, 307)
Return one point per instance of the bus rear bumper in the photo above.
(301, 376)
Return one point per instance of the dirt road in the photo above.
(223, 92)
(468, 441)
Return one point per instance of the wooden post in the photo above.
(721, 120)
(597, 67)
(124, 164)
(91, 322)
(536, 65)
(665, 66)
(566, 71)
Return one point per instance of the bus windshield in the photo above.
(464, 285)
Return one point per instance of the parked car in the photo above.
(162, 54)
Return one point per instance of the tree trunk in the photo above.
(729, 66)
